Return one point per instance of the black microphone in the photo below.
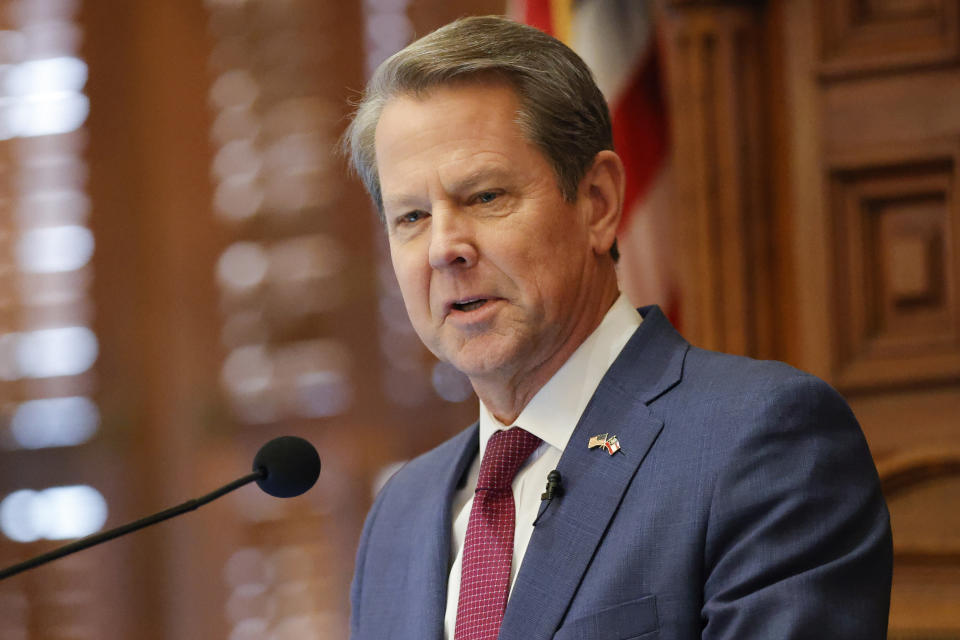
(553, 485)
(284, 467)
(288, 466)
(553, 489)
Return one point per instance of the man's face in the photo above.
(493, 264)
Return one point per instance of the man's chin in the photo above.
(479, 361)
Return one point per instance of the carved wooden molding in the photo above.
(904, 472)
(924, 634)
(723, 224)
(858, 36)
(896, 246)
(900, 472)
(710, 3)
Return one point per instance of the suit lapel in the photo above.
(426, 604)
(594, 482)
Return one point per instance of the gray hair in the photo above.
(561, 109)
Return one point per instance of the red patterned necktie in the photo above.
(488, 547)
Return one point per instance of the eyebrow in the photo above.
(474, 178)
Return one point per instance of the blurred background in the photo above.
(187, 270)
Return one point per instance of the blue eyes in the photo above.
(412, 217)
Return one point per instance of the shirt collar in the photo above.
(553, 413)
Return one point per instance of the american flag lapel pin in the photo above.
(597, 441)
(609, 442)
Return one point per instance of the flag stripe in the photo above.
(612, 36)
(561, 16)
(537, 13)
(640, 131)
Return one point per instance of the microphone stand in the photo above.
(90, 541)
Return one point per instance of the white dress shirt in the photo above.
(552, 414)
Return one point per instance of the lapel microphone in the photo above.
(284, 467)
(553, 489)
(553, 485)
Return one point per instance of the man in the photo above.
(700, 494)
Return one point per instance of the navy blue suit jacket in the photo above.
(744, 504)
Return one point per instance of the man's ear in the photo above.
(602, 190)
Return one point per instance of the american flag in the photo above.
(598, 440)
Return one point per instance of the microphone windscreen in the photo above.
(291, 465)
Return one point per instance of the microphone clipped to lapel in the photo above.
(553, 489)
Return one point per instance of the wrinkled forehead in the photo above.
(454, 132)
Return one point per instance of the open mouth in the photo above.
(469, 305)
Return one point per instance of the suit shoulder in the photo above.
(735, 394)
(717, 375)
(703, 365)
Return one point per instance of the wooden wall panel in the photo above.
(909, 109)
(872, 146)
(150, 197)
(880, 35)
(719, 135)
(896, 254)
(926, 591)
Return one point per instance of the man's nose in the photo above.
(452, 241)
